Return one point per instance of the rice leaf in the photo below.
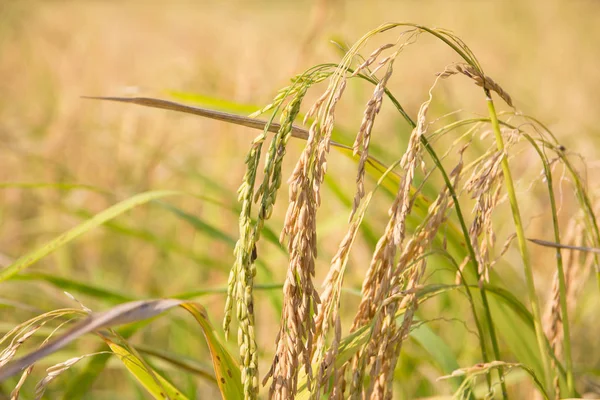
(213, 102)
(100, 218)
(438, 350)
(51, 185)
(154, 383)
(73, 286)
(226, 368)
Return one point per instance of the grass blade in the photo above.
(227, 370)
(70, 285)
(100, 218)
(154, 383)
(119, 315)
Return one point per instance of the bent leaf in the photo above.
(154, 383)
(121, 314)
(226, 368)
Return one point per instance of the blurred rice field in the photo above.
(545, 54)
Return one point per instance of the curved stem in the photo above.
(584, 200)
(562, 287)
(465, 231)
(535, 307)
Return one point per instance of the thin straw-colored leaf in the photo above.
(564, 246)
(253, 123)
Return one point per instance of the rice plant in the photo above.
(456, 222)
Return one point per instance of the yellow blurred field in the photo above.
(545, 54)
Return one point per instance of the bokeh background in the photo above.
(545, 54)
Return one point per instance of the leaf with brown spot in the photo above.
(154, 383)
(227, 370)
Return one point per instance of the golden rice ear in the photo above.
(479, 78)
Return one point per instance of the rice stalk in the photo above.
(560, 296)
(458, 209)
(521, 240)
(15, 393)
(577, 266)
(394, 282)
(484, 187)
(54, 372)
(364, 133)
(553, 323)
(393, 336)
(30, 329)
(328, 311)
(295, 339)
(9, 352)
(592, 231)
(382, 279)
(559, 306)
(241, 279)
(480, 369)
